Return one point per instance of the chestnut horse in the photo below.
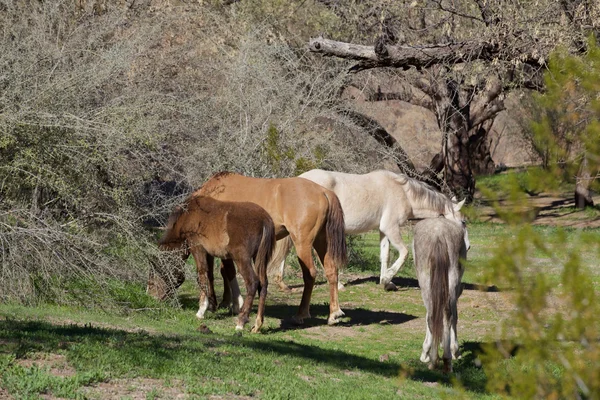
(310, 214)
(239, 231)
(439, 245)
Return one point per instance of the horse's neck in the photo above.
(424, 209)
(424, 213)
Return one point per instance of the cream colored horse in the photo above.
(380, 200)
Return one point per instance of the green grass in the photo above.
(373, 353)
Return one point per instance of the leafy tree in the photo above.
(566, 130)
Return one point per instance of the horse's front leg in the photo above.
(384, 255)
(207, 292)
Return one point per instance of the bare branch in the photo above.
(404, 56)
(457, 13)
(408, 94)
(487, 105)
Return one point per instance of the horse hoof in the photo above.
(284, 288)
(239, 328)
(334, 318)
(255, 329)
(199, 315)
(447, 366)
(224, 304)
(390, 287)
(424, 358)
(299, 319)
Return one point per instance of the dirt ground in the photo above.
(548, 209)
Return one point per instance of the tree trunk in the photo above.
(479, 149)
(458, 174)
(583, 197)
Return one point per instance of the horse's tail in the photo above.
(282, 248)
(335, 229)
(439, 263)
(265, 249)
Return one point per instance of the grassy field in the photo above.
(162, 352)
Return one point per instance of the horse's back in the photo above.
(431, 231)
(286, 200)
(365, 198)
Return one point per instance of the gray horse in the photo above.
(439, 244)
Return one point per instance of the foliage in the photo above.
(565, 123)
(109, 115)
(554, 327)
(550, 347)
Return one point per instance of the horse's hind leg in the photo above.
(453, 332)
(446, 339)
(395, 237)
(425, 355)
(309, 274)
(260, 315)
(331, 272)
(231, 289)
(251, 280)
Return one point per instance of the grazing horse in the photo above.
(439, 245)
(241, 232)
(310, 214)
(381, 200)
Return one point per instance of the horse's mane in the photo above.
(424, 193)
(220, 174)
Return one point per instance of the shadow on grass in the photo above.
(414, 283)
(130, 352)
(320, 313)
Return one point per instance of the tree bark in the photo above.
(405, 56)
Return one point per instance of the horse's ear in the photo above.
(454, 199)
(458, 206)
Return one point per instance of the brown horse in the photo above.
(310, 214)
(241, 232)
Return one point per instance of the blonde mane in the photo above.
(425, 195)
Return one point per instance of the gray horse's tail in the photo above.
(439, 263)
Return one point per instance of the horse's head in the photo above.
(167, 275)
(455, 215)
